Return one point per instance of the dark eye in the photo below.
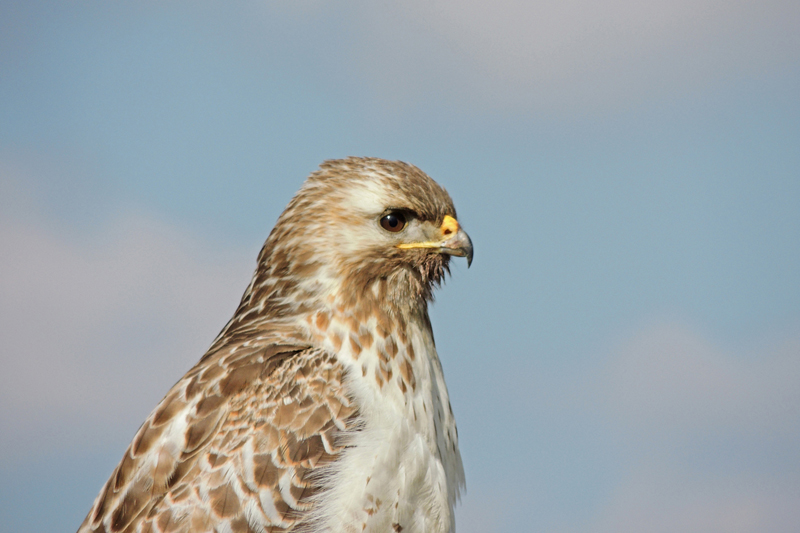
(394, 222)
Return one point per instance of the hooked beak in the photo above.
(453, 241)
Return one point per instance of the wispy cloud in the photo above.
(95, 330)
(702, 438)
(709, 434)
(576, 54)
(684, 435)
(664, 495)
(668, 378)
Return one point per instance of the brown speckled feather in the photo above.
(241, 442)
(321, 406)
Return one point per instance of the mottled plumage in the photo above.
(321, 406)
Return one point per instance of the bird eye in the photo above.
(394, 222)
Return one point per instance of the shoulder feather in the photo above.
(242, 439)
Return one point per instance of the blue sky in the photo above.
(624, 353)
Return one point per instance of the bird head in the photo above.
(361, 225)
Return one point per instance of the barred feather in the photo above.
(321, 406)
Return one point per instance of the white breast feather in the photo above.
(403, 466)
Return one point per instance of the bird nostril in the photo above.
(449, 226)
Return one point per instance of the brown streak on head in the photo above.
(301, 247)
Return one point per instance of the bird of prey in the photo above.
(321, 406)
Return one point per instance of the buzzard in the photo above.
(321, 406)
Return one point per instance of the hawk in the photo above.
(321, 406)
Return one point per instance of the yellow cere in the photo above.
(449, 227)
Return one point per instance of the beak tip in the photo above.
(458, 244)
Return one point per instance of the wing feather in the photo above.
(239, 444)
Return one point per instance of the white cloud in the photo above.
(573, 54)
(666, 377)
(709, 436)
(670, 431)
(96, 329)
(667, 497)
